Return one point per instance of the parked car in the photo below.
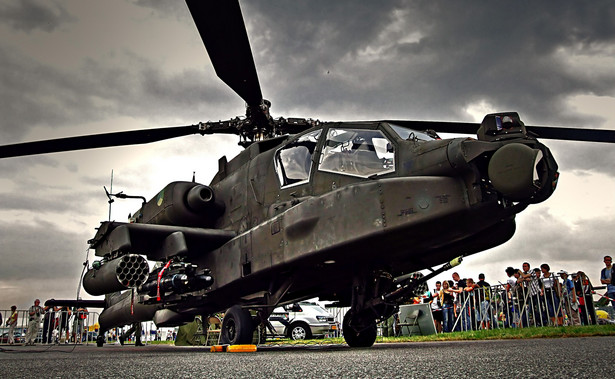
(18, 336)
(303, 320)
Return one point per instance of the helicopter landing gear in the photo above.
(367, 307)
(358, 332)
(237, 326)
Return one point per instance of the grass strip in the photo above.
(513, 333)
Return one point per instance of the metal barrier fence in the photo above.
(338, 315)
(54, 327)
(535, 302)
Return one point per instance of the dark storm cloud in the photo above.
(506, 54)
(30, 193)
(28, 95)
(21, 201)
(45, 251)
(39, 261)
(15, 167)
(30, 15)
(431, 60)
(298, 44)
(391, 59)
(35, 198)
(37, 95)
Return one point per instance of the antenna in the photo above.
(110, 191)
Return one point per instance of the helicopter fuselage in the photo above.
(318, 213)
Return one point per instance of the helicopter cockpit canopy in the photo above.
(348, 151)
(293, 162)
(357, 152)
(411, 134)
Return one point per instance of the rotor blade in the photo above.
(543, 132)
(573, 134)
(223, 32)
(439, 126)
(133, 137)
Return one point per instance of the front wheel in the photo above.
(237, 326)
(358, 335)
(299, 331)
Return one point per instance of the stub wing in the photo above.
(157, 242)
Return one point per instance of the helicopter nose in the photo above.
(523, 173)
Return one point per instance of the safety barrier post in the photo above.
(542, 310)
(460, 315)
(497, 301)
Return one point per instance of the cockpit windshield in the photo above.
(293, 162)
(357, 152)
(411, 134)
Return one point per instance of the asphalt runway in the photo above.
(538, 358)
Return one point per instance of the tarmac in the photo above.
(529, 358)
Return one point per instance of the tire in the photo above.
(299, 331)
(364, 338)
(100, 341)
(237, 327)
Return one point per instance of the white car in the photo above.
(303, 320)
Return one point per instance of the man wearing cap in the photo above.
(605, 278)
(570, 299)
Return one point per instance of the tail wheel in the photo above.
(237, 326)
(299, 331)
(358, 335)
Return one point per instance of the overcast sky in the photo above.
(80, 67)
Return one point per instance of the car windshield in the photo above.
(407, 133)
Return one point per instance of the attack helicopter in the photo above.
(343, 211)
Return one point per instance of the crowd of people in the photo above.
(62, 325)
(530, 297)
(56, 324)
